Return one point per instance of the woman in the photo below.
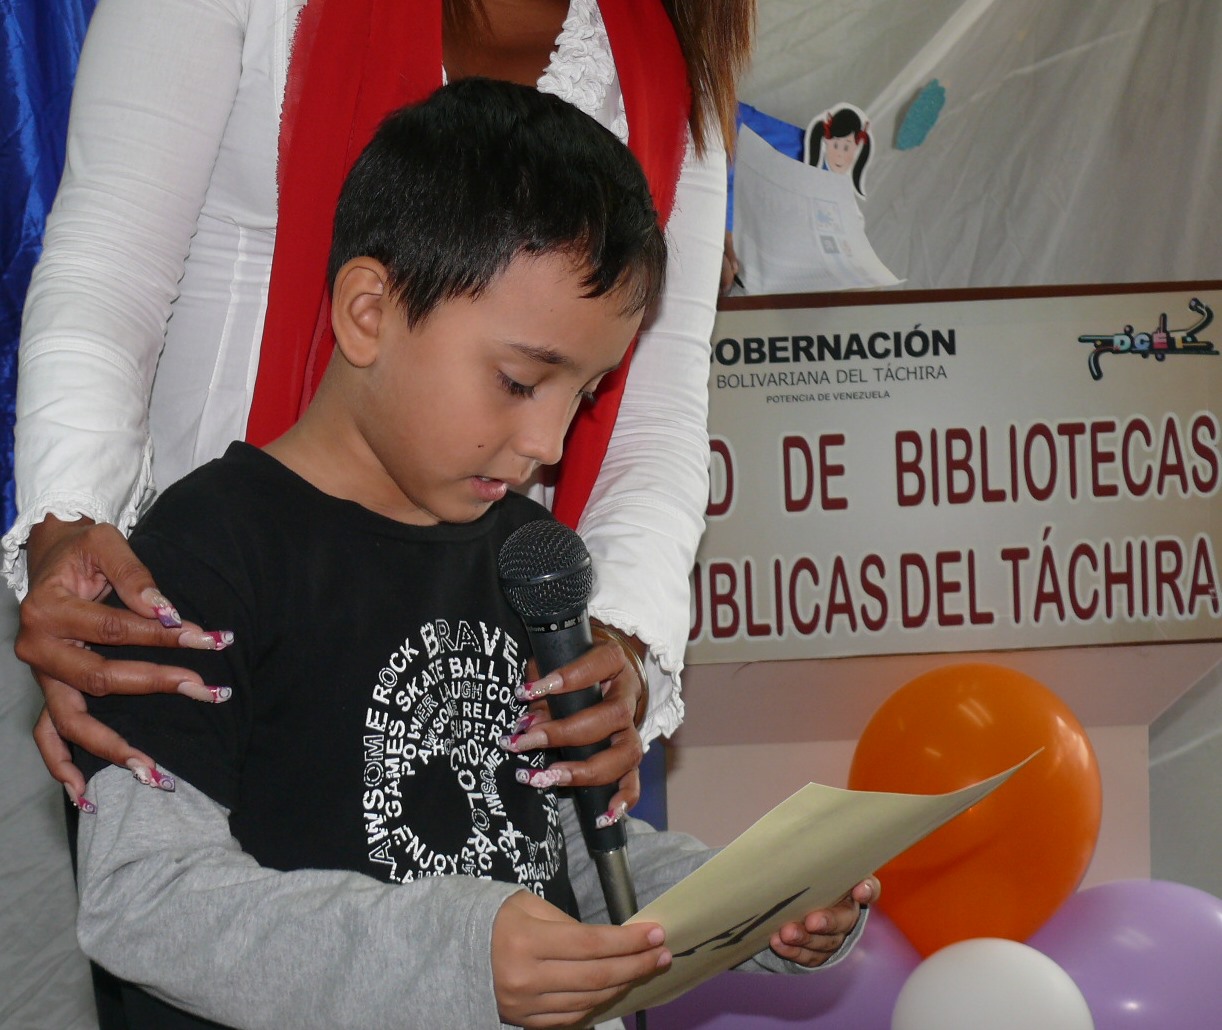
(140, 351)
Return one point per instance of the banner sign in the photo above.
(980, 470)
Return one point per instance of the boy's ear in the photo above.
(358, 307)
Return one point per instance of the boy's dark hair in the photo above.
(449, 191)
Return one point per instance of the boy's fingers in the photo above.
(821, 933)
(550, 970)
(839, 919)
(828, 939)
(868, 891)
(794, 943)
(568, 940)
(595, 983)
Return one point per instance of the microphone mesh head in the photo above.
(545, 570)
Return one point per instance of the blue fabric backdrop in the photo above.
(40, 40)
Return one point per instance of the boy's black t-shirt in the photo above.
(373, 671)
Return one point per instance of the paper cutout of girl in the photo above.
(838, 140)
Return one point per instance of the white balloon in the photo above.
(990, 984)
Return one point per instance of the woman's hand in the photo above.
(609, 665)
(73, 566)
(729, 267)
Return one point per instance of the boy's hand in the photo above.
(550, 970)
(821, 933)
(611, 719)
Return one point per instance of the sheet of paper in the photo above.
(806, 854)
(798, 229)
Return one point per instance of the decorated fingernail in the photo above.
(539, 688)
(524, 723)
(519, 727)
(198, 692)
(166, 613)
(162, 781)
(523, 741)
(150, 777)
(206, 639)
(541, 779)
(82, 803)
(611, 816)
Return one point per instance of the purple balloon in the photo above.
(1146, 954)
(857, 993)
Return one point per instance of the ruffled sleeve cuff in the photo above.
(70, 506)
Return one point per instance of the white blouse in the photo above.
(140, 339)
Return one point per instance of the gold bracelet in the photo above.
(613, 635)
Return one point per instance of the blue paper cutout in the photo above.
(921, 116)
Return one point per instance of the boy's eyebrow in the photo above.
(544, 355)
(550, 356)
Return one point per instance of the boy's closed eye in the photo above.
(588, 394)
(514, 388)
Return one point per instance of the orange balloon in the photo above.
(1005, 865)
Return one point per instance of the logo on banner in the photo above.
(1159, 344)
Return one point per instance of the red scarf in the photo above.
(353, 62)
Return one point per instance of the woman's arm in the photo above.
(646, 513)
(154, 89)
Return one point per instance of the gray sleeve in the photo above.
(169, 900)
(658, 861)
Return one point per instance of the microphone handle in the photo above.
(554, 647)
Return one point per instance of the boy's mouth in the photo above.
(488, 489)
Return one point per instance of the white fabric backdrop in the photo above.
(1080, 142)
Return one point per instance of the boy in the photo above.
(494, 251)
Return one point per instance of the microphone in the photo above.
(546, 575)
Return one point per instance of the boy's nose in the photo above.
(542, 438)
